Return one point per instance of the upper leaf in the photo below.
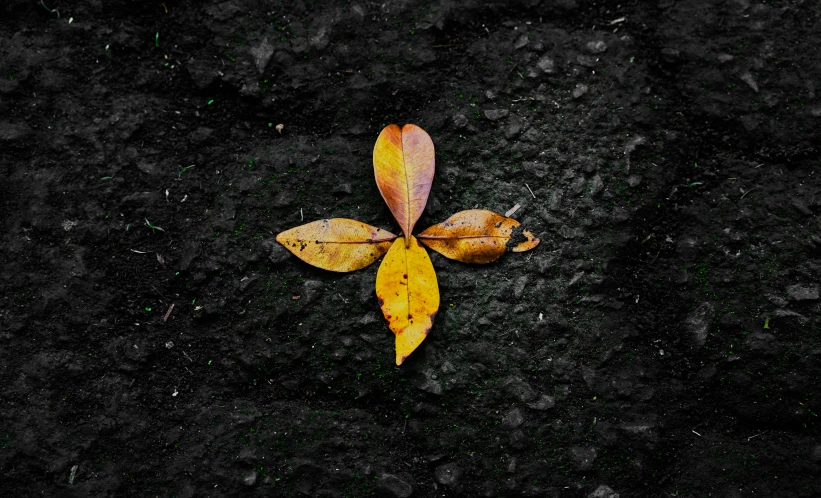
(408, 294)
(338, 244)
(403, 162)
(477, 236)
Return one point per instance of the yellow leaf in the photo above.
(403, 163)
(408, 294)
(338, 244)
(477, 236)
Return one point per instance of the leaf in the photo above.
(477, 236)
(338, 244)
(403, 162)
(408, 294)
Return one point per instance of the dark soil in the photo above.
(663, 340)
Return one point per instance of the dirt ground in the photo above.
(663, 340)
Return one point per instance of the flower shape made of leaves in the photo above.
(406, 285)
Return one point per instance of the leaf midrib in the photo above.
(446, 237)
(372, 241)
(407, 227)
(408, 279)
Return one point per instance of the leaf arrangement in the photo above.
(406, 285)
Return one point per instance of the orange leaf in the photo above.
(338, 244)
(477, 236)
(408, 295)
(403, 162)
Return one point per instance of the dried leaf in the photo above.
(408, 294)
(477, 236)
(338, 244)
(403, 162)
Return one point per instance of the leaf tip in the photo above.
(400, 359)
(526, 245)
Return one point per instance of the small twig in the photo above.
(301, 217)
(158, 292)
(168, 313)
(189, 371)
(512, 210)
(759, 434)
(696, 433)
(513, 69)
(140, 252)
(342, 298)
(531, 192)
(747, 192)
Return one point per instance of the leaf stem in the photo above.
(367, 241)
(447, 237)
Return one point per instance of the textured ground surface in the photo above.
(663, 340)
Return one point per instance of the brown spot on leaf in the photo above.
(381, 301)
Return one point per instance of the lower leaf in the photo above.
(408, 294)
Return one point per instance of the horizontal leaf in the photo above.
(404, 163)
(337, 244)
(477, 236)
(408, 294)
